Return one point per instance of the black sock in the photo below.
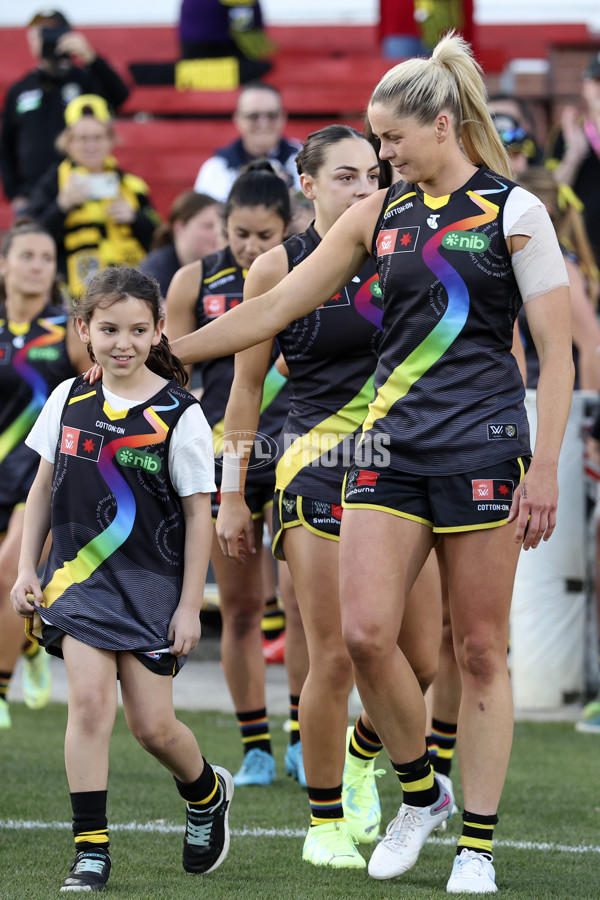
(90, 825)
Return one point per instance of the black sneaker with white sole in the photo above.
(89, 872)
(206, 842)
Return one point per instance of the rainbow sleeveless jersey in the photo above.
(33, 361)
(222, 289)
(114, 574)
(449, 395)
(331, 354)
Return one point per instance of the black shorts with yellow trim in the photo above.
(468, 501)
(159, 663)
(258, 497)
(319, 516)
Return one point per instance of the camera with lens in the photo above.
(50, 38)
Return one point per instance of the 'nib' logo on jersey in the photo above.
(138, 459)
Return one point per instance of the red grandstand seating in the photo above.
(323, 72)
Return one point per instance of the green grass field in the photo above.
(548, 839)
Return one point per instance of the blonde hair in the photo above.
(451, 79)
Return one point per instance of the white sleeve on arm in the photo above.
(191, 457)
(540, 266)
(215, 179)
(43, 437)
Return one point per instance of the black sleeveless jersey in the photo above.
(33, 361)
(114, 574)
(222, 289)
(331, 354)
(449, 392)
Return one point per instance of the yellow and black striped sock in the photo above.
(325, 805)
(90, 825)
(254, 728)
(294, 727)
(443, 738)
(273, 620)
(477, 833)
(364, 744)
(202, 791)
(417, 780)
(4, 684)
(31, 649)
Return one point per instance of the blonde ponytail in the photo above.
(450, 80)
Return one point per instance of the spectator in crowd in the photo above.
(194, 230)
(523, 115)
(33, 117)
(573, 151)
(583, 282)
(213, 28)
(98, 215)
(260, 120)
(519, 144)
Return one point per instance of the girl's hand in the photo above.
(534, 506)
(184, 629)
(93, 374)
(26, 594)
(235, 528)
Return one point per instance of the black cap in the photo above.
(50, 15)
(593, 68)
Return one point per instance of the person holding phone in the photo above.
(66, 65)
(98, 215)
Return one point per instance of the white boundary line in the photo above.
(165, 828)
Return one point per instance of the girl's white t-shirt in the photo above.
(191, 458)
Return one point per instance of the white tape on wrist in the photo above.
(230, 479)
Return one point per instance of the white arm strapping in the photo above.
(230, 478)
(540, 266)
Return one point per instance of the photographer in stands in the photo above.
(33, 116)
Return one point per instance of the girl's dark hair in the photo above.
(183, 208)
(26, 225)
(312, 156)
(117, 283)
(260, 185)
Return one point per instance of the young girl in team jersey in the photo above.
(257, 213)
(124, 483)
(458, 248)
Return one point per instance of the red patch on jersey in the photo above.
(214, 305)
(365, 477)
(84, 444)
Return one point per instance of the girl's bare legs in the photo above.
(148, 708)
(92, 706)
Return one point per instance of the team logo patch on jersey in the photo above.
(469, 241)
(492, 489)
(43, 353)
(85, 444)
(397, 240)
(132, 458)
(5, 353)
(502, 431)
(217, 304)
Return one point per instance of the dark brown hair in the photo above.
(22, 226)
(117, 283)
(183, 208)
